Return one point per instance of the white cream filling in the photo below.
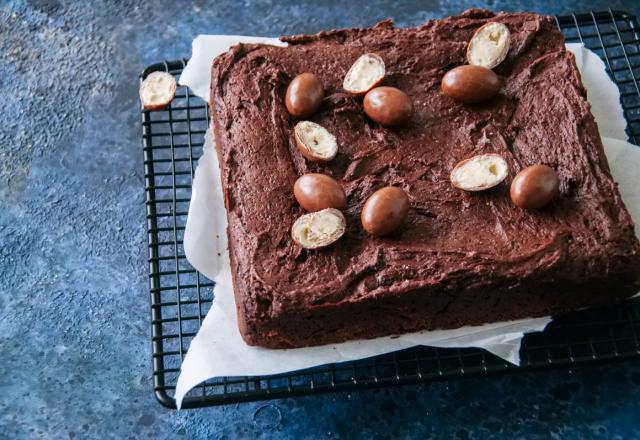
(157, 88)
(480, 172)
(365, 72)
(317, 139)
(489, 45)
(318, 229)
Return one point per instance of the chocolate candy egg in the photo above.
(385, 210)
(315, 192)
(304, 95)
(534, 187)
(316, 230)
(388, 106)
(315, 142)
(470, 84)
(366, 73)
(489, 45)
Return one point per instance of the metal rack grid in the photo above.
(180, 296)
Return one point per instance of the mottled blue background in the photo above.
(74, 312)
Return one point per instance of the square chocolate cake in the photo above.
(459, 257)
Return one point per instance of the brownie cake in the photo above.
(460, 258)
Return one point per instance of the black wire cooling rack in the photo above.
(180, 296)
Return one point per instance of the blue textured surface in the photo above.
(74, 320)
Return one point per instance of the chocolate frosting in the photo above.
(451, 240)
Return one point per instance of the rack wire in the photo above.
(181, 297)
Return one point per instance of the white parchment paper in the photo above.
(218, 349)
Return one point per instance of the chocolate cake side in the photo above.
(460, 258)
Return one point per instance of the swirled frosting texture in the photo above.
(460, 258)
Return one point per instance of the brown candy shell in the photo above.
(534, 187)
(385, 210)
(388, 106)
(315, 192)
(304, 95)
(470, 84)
